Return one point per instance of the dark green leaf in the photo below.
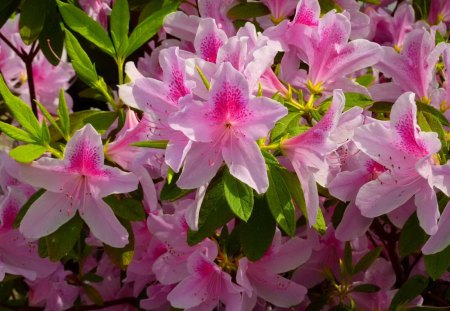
(27, 153)
(155, 5)
(126, 208)
(412, 237)
(26, 206)
(438, 263)
(366, 288)
(63, 114)
(81, 23)
(170, 191)
(93, 294)
(92, 277)
(7, 8)
(21, 111)
(348, 260)
(367, 260)
(157, 144)
(61, 242)
(16, 133)
(51, 38)
(149, 27)
(80, 60)
(239, 196)
(257, 233)
(248, 10)
(381, 107)
(409, 290)
(31, 22)
(120, 21)
(214, 212)
(279, 201)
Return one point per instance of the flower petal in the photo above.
(441, 239)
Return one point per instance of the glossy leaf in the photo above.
(27, 153)
(239, 196)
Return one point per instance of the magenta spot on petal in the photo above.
(86, 159)
(177, 88)
(408, 141)
(204, 268)
(229, 106)
(374, 169)
(306, 16)
(209, 48)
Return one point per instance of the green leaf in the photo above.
(348, 260)
(365, 80)
(257, 233)
(436, 126)
(376, 2)
(437, 264)
(170, 191)
(7, 8)
(279, 201)
(248, 10)
(16, 133)
(367, 260)
(49, 117)
(120, 21)
(366, 288)
(51, 38)
(239, 196)
(149, 27)
(155, 5)
(126, 208)
(31, 23)
(21, 111)
(157, 144)
(214, 212)
(93, 294)
(436, 113)
(81, 23)
(381, 107)
(100, 120)
(357, 100)
(45, 133)
(80, 60)
(286, 126)
(92, 277)
(26, 207)
(61, 242)
(63, 114)
(409, 290)
(412, 237)
(27, 153)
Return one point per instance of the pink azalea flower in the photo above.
(171, 230)
(307, 152)
(406, 153)
(262, 279)
(280, 9)
(439, 12)
(78, 183)
(411, 70)
(218, 11)
(206, 286)
(53, 292)
(226, 127)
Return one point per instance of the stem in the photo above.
(12, 47)
(120, 62)
(30, 81)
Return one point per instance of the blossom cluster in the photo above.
(225, 155)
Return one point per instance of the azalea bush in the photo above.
(224, 155)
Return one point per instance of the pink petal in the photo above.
(264, 114)
(441, 177)
(276, 289)
(103, 223)
(176, 150)
(246, 163)
(202, 163)
(209, 39)
(46, 215)
(307, 13)
(385, 194)
(441, 239)
(427, 209)
(112, 181)
(181, 25)
(353, 224)
(309, 188)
